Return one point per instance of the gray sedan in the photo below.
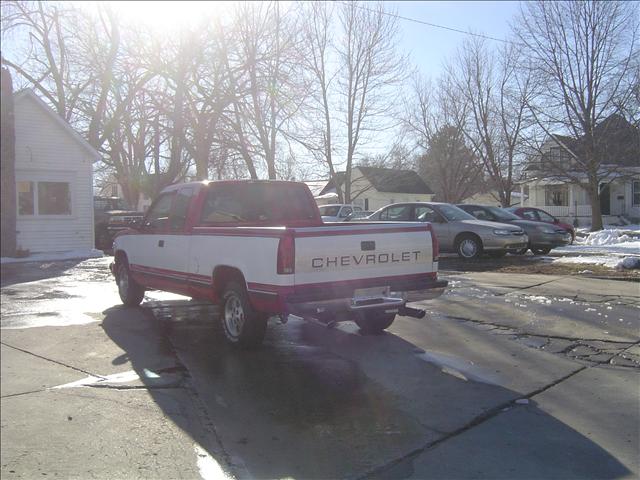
(456, 230)
(542, 236)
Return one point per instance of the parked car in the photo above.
(337, 212)
(259, 249)
(358, 216)
(110, 215)
(539, 215)
(542, 236)
(456, 230)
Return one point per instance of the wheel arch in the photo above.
(462, 235)
(223, 274)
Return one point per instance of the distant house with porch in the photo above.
(54, 180)
(374, 187)
(569, 200)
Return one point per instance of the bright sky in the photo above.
(428, 46)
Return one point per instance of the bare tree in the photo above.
(488, 102)
(369, 66)
(583, 56)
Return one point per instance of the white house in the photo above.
(619, 190)
(54, 184)
(374, 187)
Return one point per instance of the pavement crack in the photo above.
(517, 289)
(498, 326)
(478, 420)
(23, 393)
(52, 361)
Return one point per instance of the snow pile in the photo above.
(55, 256)
(604, 260)
(606, 237)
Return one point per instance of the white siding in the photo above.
(45, 151)
(364, 190)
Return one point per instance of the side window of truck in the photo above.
(180, 208)
(158, 214)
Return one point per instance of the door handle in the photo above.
(161, 243)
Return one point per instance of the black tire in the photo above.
(468, 247)
(374, 322)
(497, 253)
(522, 251)
(131, 293)
(541, 251)
(242, 325)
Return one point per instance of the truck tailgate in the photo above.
(342, 252)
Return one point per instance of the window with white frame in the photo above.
(635, 190)
(43, 198)
(556, 195)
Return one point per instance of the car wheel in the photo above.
(469, 247)
(541, 251)
(374, 322)
(131, 293)
(243, 326)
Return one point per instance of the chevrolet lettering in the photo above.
(368, 259)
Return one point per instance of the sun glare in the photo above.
(166, 14)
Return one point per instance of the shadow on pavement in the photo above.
(14, 273)
(297, 409)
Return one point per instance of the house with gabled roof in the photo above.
(54, 180)
(618, 149)
(375, 187)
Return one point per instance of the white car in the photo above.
(337, 212)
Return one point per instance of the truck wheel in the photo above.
(374, 322)
(131, 293)
(469, 247)
(242, 325)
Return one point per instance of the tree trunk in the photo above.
(8, 209)
(594, 199)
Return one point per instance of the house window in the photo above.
(25, 198)
(556, 195)
(114, 190)
(636, 192)
(53, 198)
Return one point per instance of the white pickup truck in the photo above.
(260, 249)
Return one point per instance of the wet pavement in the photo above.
(508, 376)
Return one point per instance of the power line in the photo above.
(435, 25)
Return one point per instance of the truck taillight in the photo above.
(286, 255)
(435, 245)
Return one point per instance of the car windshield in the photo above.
(453, 213)
(329, 210)
(502, 214)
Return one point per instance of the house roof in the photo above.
(617, 143)
(388, 180)
(30, 94)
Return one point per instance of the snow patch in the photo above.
(208, 467)
(55, 256)
(464, 369)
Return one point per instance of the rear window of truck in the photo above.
(256, 203)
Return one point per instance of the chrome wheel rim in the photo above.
(233, 316)
(468, 248)
(123, 281)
